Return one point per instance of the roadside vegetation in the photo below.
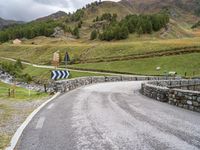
(21, 94)
(28, 73)
(14, 109)
(16, 70)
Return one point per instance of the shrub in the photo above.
(93, 35)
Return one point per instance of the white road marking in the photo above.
(40, 123)
(50, 106)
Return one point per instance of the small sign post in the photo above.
(66, 59)
(56, 59)
(59, 74)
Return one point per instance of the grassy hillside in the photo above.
(42, 53)
(174, 39)
(188, 63)
(183, 55)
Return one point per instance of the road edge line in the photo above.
(18, 133)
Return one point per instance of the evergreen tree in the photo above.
(139, 30)
(93, 35)
(80, 24)
(18, 64)
(97, 18)
(76, 32)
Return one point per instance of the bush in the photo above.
(18, 64)
(16, 71)
(75, 32)
(93, 35)
(74, 59)
(77, 15)
(80, 24)
(196, 25)
(26, 78)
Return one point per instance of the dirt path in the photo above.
(51, 67)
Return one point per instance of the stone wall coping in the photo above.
(186, 91)
(174, 86)
(156, 86)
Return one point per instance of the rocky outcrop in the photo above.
(5, 77)
(58, 32)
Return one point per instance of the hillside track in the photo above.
(162, 53)
(69, 68)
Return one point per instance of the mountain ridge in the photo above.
(97, 16)
(6, 23)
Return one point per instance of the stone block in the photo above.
(185, 106)
(189, 102)
(195, 103)
(191, 107)
(198, 99)
(180, 105)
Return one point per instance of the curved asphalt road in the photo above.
(111, 116)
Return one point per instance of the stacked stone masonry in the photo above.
(68, 85)
(181, 93)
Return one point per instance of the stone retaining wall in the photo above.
(180, 93)
(156, 92)
(67, 85)
(185, 99)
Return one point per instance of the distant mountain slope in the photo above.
(106, 7)
(146, 6)
(80, 24)
(53, 16)
(6, 23)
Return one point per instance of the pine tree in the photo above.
(139, 31)
(76, 32)
(93, 35)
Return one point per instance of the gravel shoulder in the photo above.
(12, 115)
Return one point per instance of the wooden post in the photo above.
(45, 88)
(13, 93)
(193, 73)
(9, 93)
(13, 89)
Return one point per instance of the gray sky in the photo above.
(26, 10)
